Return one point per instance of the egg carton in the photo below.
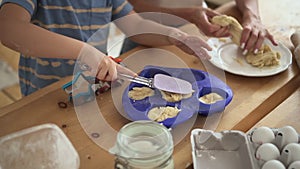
(261, 148)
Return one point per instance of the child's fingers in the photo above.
(205, 54)
(198, 52)
(111, 74)
(195, 42)
(103, 69)
(124, 70)
(102, 73)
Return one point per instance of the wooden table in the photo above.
(11, 93)
(254, 98)
(287, 113)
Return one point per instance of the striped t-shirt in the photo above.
(79, 19)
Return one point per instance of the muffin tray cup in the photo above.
(202, 83)
(228, 149)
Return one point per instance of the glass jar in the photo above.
(143, 145)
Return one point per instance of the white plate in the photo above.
(228, 56)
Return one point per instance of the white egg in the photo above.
(290, 153)
(262, 135)
(286, 135)
(295, 165)
(266, 152)
(273, 164)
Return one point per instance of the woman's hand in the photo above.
(202, 19)
(254, 34)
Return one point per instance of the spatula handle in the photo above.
(138, 79)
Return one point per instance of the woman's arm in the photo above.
(198, 15)
(254, 31)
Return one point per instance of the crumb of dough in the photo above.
(162, 113)
(264, 57)
(210, 98)
(140, 93)
(224, 40)
(174, 97)
(239, 61)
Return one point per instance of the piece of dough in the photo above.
(174, 97)
(264, 57)
(140, 93)
(235, 27)
(161, 113)
(210, 98)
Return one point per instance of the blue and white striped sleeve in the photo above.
(120, 8)
(29, 5)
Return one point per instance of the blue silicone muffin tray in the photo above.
(202, 83)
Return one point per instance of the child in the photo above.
(50, 35)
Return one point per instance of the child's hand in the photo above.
(101, 66)
(109, 69)
(192, 45)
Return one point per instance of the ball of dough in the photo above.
(140, 93)
(174, 97)
(162, 113)
(211, 98)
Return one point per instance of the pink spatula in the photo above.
(163, 82)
